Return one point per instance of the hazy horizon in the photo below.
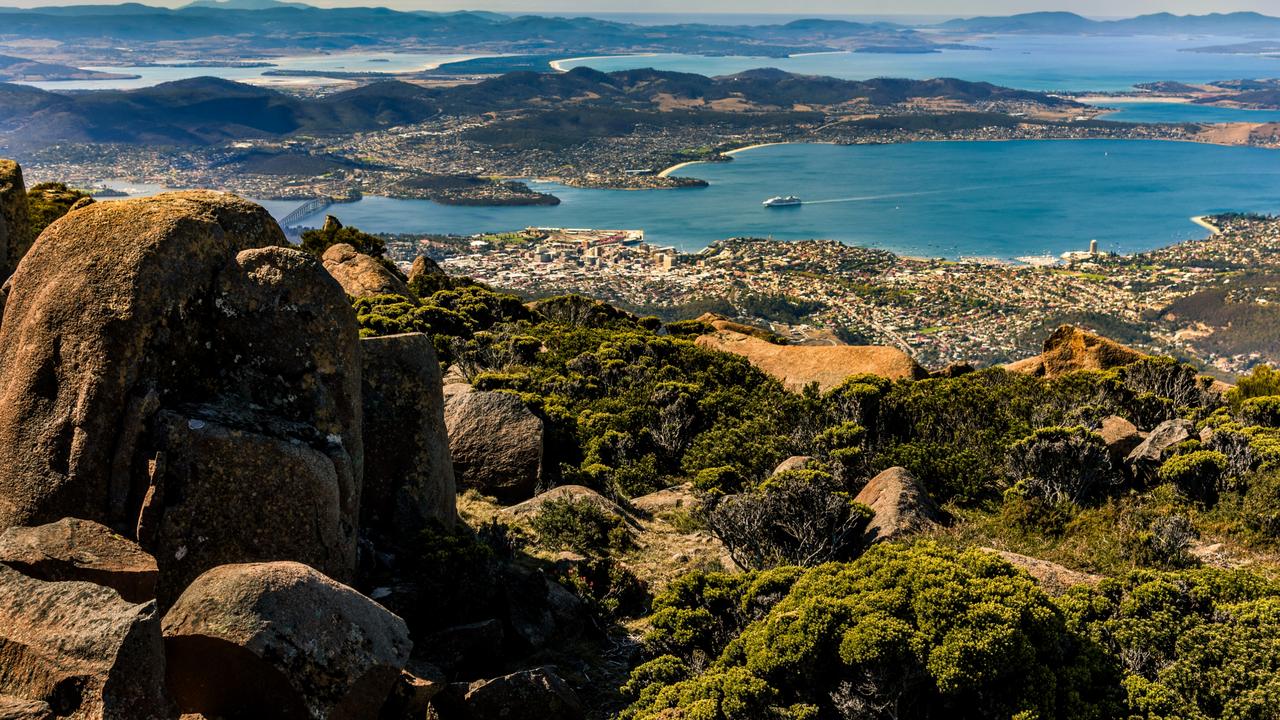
(1092, 8)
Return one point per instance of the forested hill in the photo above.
(1236, 24)
(209, 110)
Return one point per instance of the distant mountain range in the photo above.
(262, 24)
(205, 111)
(1237, 24)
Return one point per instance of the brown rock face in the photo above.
(1070, 349)
(12, 708)
(14, 236)
(244, 638)
(132, 325)
(81, 649)
(1120, 435)
(408, 474)
(537, 694)
(81, 550)
(424, 266)
(1054, 578)
(798, 365)
(901, 506)
(362, 275)
(496, 442)
(795, 462)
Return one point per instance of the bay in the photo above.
(944, 199)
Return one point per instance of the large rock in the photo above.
(901, 506)
(244, 638)
(228, 495)
(799, 365)
(1120, 436)
(1151, 452)
(565, 493)
(133, 325)
(73, 549)
(795, 462)
(14, 230)
(362, 275)
(80, 648)
(408, 472)
(495, 441)
(1070, 349)
(537, 694)
(425, 267)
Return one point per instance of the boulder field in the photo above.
(198, 454)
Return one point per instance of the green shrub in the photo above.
(1262, 382)
(1197, 474)
(579, 525)
(797, 517)
(1192, 644)
(333, 233)
(1261, 410)
(925, 631)
(1260, 510)
(1062, 465)
(610, 590)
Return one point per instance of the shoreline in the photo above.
(1203, 221)
(730, 153)
(558, 65)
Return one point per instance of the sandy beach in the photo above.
(1204, 223)
(559, 65)
(669, 171)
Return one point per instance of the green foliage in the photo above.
(611, 591)
(1195, 644)
(1061, 464)
(1261, 506)
(797, 517)
(333, 233)
(906, 632)
(1262, 382)
(1261, 410)
(579, 525)
(1195, 473)
(46, 202)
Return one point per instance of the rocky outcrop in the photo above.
(14, 231)
(81, 649)
(160, 362)
(1055, 579)
(795, 462)
(1120, 436)
(901, 506)
(361, 275)
(282, 636)
(680, 497)
(1151, 452)
(799, 365)
(537, 694)
(495, 441)
(565, 493)
(81, 550)
(1070, 349)
(424, 267)
(720, 322)
(408, 472)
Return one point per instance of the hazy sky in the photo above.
(1110, 8)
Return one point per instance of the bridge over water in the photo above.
(306, 210)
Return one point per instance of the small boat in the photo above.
(788, 201)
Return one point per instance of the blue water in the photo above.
(1171, 112)
(1028, 62)
(953, 199)
(379, 62)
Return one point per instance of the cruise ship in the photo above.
(788, 201)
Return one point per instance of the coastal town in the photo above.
(1179, 300)
(398, 161)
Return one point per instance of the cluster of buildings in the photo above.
(975, 311)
